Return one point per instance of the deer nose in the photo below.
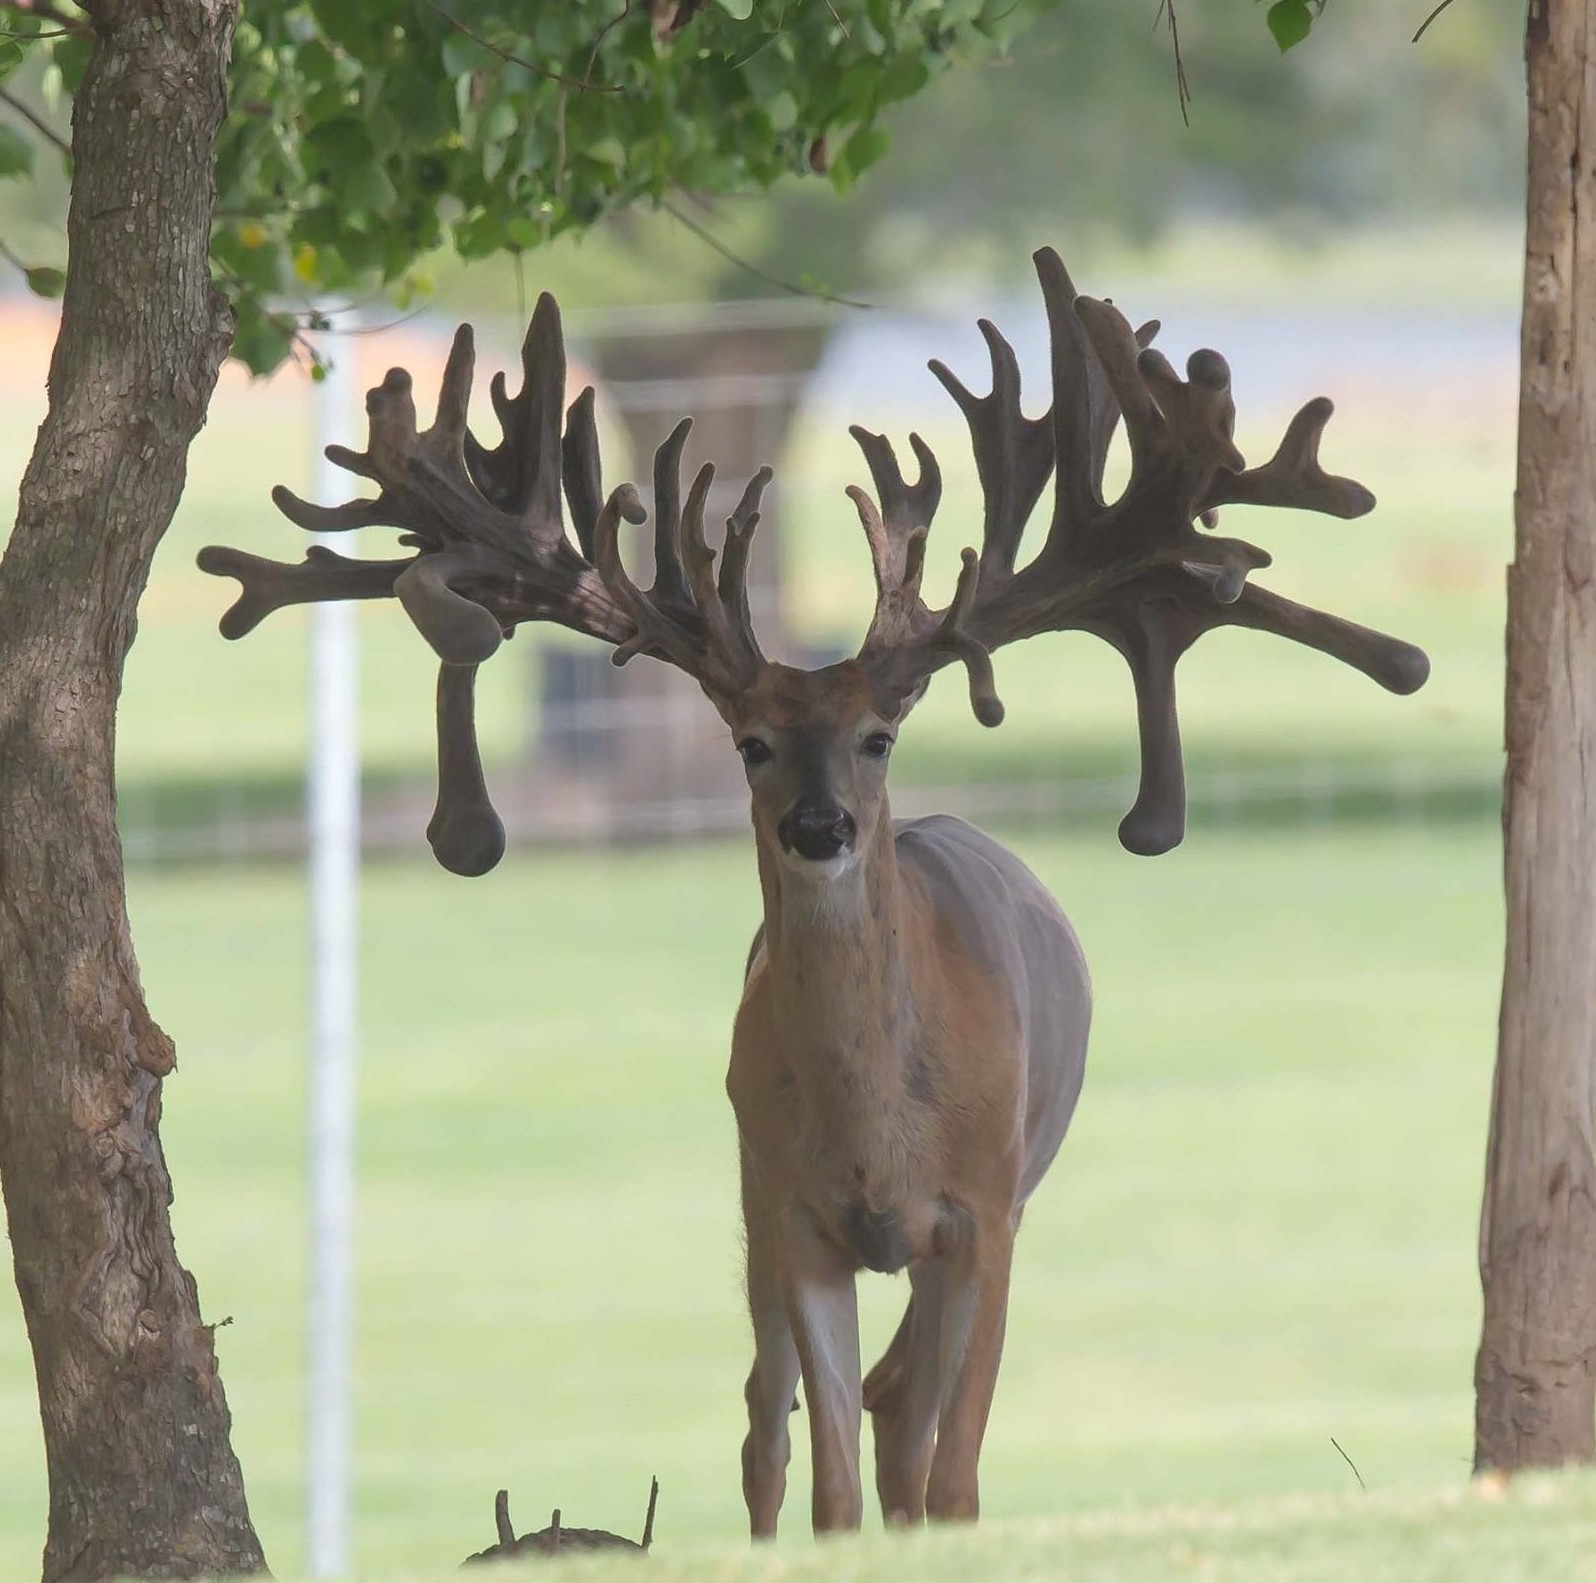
(817, 831)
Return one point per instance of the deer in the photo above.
(910, 1043)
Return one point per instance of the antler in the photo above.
(490, 541)
(698, 621)
(1136, 571)
(906, 642)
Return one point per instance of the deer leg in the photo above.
(823, 1308)
(974, 1313)
(903, 1394)
(774, 1375)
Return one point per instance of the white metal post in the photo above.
(333, 795)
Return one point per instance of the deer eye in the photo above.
(877, 745)
(754, 751)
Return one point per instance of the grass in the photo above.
(1259, 1235)
(1539, 1531)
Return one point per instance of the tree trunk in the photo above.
(1535, 1378)
(142, 1477)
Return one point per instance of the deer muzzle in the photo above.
(817, 831)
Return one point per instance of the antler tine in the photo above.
(1293, 476)
(954, 636)
(729, 634)
(584, 479)
(695, 623)
(896, 533)
(670, 581)
(1157, 819)
(460, 631)
(1084, 412)
(1199, 410)
(1118, 354)
(265, 586)
(1013, 453)
(522, 474)
(1397, 666)
(327, 519)
(465, 832)
(740, 525)
(624, 505)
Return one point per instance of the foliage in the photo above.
(364, 135)
(1075, 136)
(1291, 20)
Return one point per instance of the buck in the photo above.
(912, 1034)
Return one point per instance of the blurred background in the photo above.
(1260, 1234)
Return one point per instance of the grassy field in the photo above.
(1542, 1530)
(1259, 1236)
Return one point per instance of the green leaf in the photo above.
(71, 57)
(16, 153)
(462, 55)
(1290, 21)
(608, 151)
(782, 110)
(369, 191)
(863, 149)
(45, 281)
(262, 340)
(741, 9)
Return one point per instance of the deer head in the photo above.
(1142, 571)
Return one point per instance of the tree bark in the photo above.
(1535, 1377)
(142, 1477)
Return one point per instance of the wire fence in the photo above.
(238, 823)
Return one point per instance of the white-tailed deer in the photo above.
(912, 1034)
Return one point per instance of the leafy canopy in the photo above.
(364, 135)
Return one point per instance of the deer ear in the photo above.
(726, 703)
(891, 704)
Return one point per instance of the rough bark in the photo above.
(142, 1477)
(1535, 1378)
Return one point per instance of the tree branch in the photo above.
(517, 60)
(714, 243)
(1424, 26)
(40, 125)
(1166, 11)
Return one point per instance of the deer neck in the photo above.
(842, 955)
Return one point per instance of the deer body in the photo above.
(907, 1057)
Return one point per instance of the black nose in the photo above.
(817, 831)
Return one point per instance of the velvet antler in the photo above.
(1136, 571)
(490, 541)
(697, 620)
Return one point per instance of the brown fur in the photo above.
(879, 1078)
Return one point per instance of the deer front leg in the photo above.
(904, 1395)
(774, 1375)
(823, 1309)
(974, 1313)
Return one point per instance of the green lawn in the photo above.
(1259, 1235)
(1542, 1530)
